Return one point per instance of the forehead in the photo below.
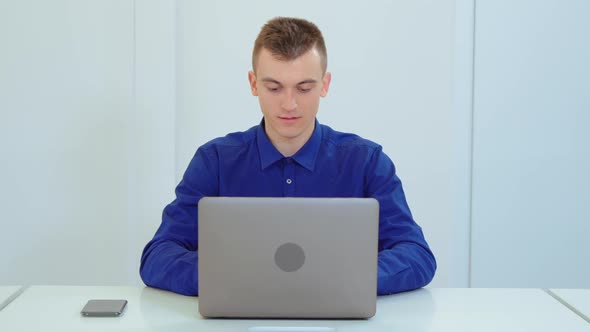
(307, 66)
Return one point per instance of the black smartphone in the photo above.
(104, 308)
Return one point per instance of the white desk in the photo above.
(577, 299)
(57, 308)
(7, 294)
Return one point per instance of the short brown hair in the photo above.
(288, 38)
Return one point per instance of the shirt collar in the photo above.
(306, 156)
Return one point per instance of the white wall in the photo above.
(85, 169)
(392, 77)
(531, 158)
(152, 149)
(66, 83)
(103, 103)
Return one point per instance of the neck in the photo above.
(288, 146)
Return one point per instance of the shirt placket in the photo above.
(288, 177)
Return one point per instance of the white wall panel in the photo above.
(151, 179)
(531, 186)
(65, 90)
(462, 110)
(87, 101)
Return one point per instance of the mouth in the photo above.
(289, 118)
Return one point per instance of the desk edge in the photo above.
(12, 297)
(567, 305)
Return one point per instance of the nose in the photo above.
(289, 103)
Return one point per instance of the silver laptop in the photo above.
(288, 257)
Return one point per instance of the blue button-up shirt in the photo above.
(330, 164)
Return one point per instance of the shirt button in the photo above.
(289, 181)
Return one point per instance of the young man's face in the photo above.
(289, 94)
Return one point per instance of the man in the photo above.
(289, 154)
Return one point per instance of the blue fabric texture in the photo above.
(330, 164)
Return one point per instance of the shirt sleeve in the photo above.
(405, 260)
(169, 261)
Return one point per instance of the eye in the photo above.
(305, 88)
(273, 89)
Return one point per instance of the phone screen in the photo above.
(104, 308)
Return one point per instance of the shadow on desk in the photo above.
(157, 303)
(164, 310)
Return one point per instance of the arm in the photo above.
(405, 261)
(169, 261)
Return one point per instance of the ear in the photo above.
(326, 84)
(252, 80)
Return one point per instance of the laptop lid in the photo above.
(288, 257)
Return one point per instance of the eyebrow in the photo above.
(272, 80)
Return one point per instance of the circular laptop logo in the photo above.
(289, 257)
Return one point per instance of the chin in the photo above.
(290, 133)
